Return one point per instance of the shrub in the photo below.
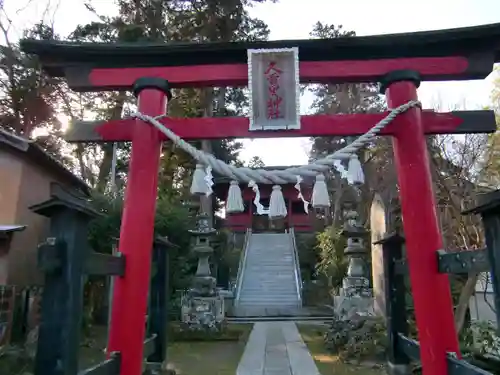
(360, 338)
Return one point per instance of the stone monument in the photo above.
(378, 229)
(202, 307)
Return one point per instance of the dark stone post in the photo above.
(62, 259)
(395, 294)
(488, 206)
(158, 300)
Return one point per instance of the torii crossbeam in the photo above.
(400, 61)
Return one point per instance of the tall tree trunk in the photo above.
(463, 301)
(206, 145)
(107, 159)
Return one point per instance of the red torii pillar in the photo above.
(421, 228)
(128, 325)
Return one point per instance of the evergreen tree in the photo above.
(256, 162)
(28, 96)
(165, 21)
(345, 98)
(340, 98)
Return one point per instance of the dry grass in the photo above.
(208, 357)
(329, 364)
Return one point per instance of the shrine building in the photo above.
(249, 218)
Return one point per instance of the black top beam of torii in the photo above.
(443, 55)
(483, 39)
(480, 43)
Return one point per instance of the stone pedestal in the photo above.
(205, 313)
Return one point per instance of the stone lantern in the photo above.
(355, 296)
(203, 282)
(355, 281)
(202, 307)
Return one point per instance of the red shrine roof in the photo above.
(483, 40)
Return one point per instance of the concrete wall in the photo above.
(482, 301)
(4, 260)
(10, 180)
(34, 189)
(24, 183)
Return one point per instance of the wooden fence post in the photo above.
(395, 294)
(158, 301)
(62, 259)
(488, 206)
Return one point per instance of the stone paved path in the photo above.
(276, 348)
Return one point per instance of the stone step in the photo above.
(253, 312)
(270, 306)
(274, 300)
(264, 260)
(268, 251)
(266, 291)
(271, 262)
(277, 279)
(270, 286)
(269, 294)
(269, 302)
(271, 266)
(290, 303)
(262, 294)
(296, 318)
(269, 276)
(269, 272)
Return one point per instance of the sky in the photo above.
(294, 19)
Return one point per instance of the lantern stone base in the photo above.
(203, 286)
(355, 298)
(203, 313)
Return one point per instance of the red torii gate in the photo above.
(399, 61)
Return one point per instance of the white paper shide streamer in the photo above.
(256, 200)
(199, 184)
(300, 195)
(209, 180)
(234, 202)
(355, 173)
(277, 206)
(320, 198)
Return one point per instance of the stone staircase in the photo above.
(269, 282)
